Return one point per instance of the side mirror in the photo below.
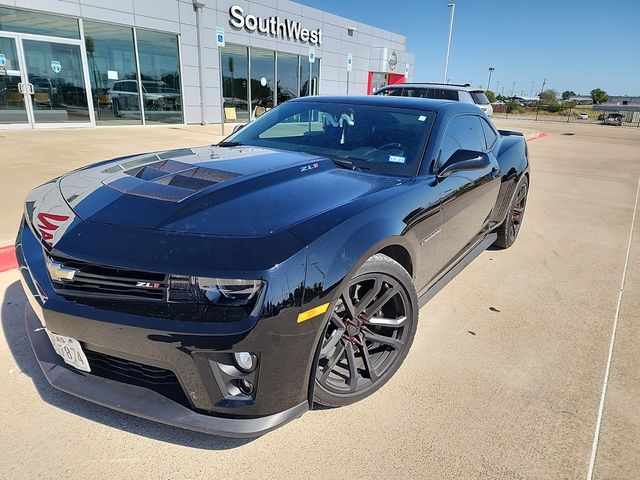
(238, 127)
(463, 160)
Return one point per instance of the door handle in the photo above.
(30, 88)
(20, 88)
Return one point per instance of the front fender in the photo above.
(337, 255)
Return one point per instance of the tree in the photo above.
(549, 97)
(490, 96)
(567, 94)
(599, 96)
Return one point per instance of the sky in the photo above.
(575, 45)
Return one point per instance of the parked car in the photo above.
(613, 119)
(230, 288)
(582, 116)
(461, 93)
(157, 95)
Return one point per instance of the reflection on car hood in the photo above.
(245, 191)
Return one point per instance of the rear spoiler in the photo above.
(510, 133)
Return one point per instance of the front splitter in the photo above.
(140, 401)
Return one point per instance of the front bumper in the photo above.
(188, 350)
(140, 401)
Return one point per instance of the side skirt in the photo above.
(465, 260)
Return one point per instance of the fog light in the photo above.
(245, 361)
(246, 387)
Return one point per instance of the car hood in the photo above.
(230, 191)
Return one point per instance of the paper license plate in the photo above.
(70, 351)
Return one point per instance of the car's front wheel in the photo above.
(370, 330)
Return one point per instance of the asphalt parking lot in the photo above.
(504, 379)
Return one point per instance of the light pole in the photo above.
(491, 69)
(544, 82)
(446, 61)
(533, 82)
(497, 85)
(513, 88)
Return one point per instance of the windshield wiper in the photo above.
(344, 163)
(229, 144)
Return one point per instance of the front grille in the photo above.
(135, 292)
(96, 281)
(157, 379)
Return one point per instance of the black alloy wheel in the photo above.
(508, 231)
(369, 332)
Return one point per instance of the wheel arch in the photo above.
(396, 247)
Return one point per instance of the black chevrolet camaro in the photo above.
(230, 288)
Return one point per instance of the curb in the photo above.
(536, 137)
(8, 258)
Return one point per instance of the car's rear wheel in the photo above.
(369, 332)
(508, 231)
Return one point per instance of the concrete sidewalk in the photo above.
(503, 381)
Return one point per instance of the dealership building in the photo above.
(143, 62)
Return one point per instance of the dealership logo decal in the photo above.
(274, 26)
(56, 66)
(49, 223)
(393, 60)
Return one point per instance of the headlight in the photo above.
(225, 292)
(229, 291)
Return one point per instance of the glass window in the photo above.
(463, 133)
(315, 77)
(443, 94)
(489, 133)
(372, 138)
(160, 74)
(112, 70)
(479, 98)
(262, 80)
(235, 70)
(304, 76)
(287, 77)
(390, 92)
(309, 73)
(38, 23)
(12, 104)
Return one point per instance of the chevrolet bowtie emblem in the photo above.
(58, 272)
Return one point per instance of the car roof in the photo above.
(434, 105)
(443, 86)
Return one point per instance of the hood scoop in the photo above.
(168, 180)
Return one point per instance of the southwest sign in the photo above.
(274, 26)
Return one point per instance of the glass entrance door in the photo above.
(13, 107)
(57, 86)
(42, 82)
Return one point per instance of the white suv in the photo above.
(459, 93)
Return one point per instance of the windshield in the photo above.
(479, 98)
(371, 138)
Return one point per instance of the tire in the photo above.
(508, 231)
(366, 340)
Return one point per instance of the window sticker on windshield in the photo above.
(397, 159)
(422, 118)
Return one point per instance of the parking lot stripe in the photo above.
(596, 436)
(8, 258)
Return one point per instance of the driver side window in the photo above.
(463, 133)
